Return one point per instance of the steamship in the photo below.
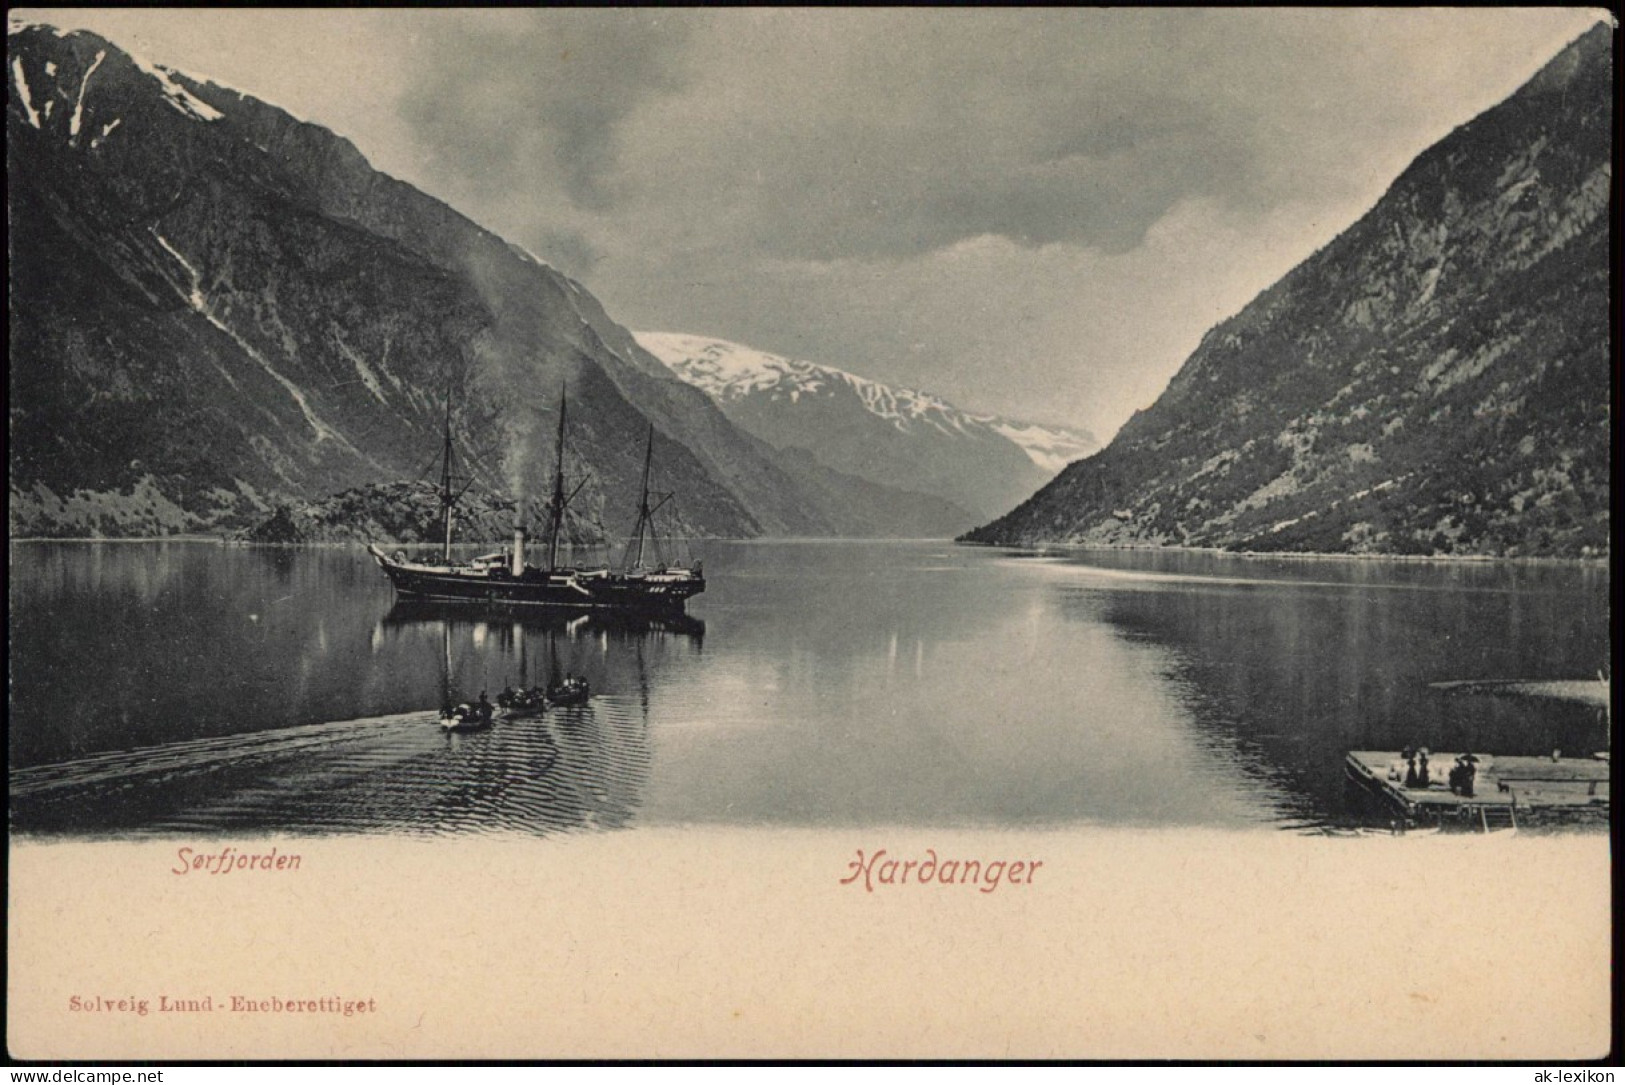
(506, 578)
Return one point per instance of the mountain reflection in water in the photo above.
(1291, 664)
(188, 688)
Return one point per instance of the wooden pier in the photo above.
(1506, 790)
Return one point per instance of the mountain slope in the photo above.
(890, 436)
(216, 308)
(1435, 380)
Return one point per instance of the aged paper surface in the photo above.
(714, 943)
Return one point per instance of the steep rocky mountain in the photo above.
(217, 309)
(890, 436)
(1435, 380)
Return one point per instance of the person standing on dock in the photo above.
(1462, 776)
(1409, 754)
(1422, 777)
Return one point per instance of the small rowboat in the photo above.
(467, 717)
(568, 691)
(523, 702)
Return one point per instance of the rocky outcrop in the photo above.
(1434, 381)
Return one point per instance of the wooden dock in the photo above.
(1507, 790)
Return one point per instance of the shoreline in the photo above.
(1595, 692)
(1060, 548)
(1602, 561)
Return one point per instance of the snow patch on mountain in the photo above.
(78, 117)
(107, 130)
(23, 93)
(1052, 449)
(200, 304)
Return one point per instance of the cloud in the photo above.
(820, 134)
(534, 100)
(882, 134)
(999, 185)
(851, 134)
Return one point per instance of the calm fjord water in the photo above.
(183, 687)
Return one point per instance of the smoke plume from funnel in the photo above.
(518, 453)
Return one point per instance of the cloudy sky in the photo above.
(1037, 212)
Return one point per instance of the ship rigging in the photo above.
(507, 579)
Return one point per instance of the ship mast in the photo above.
(445, 669)
(555, 507)
(643, 504)
(644, 531)
(446, 497)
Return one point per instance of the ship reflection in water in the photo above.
(577, 767)
(184, 688)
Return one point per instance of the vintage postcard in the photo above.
(800, 533)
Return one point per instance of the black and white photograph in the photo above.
(633, 533)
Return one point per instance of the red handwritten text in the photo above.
(231, 861)
(986, 875)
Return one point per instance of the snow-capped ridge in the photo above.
(527, 256)
(1049, 448)
(177, 95)
(731, 371)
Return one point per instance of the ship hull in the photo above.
(649, 593)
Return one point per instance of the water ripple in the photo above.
(579, 767)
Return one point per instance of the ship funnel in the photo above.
(518, 549)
